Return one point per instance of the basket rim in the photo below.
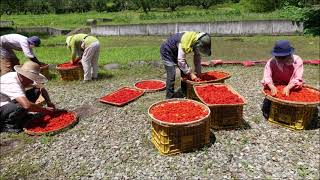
(44, 66)
(219, 105)
(29, 132)
(292, 103)
(68, 68)
(151, 90)
(122, 104)
(178, 124)
(202, 82)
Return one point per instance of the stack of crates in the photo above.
(225, 116)
(293, 117)
(171, 138)
(291, 114)
(187, 86)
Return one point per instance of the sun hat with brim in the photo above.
(282, 48)
(203, 45)
(31, 70)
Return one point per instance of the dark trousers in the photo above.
(266, 105)
(12, 115)
(171, 78)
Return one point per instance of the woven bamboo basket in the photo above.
(174, 138)
(44, 70)
(52, 132)
(290, 114)
(151, 90)
(187, 85)
(70, 73)
(225, 116)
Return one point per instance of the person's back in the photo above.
(13, 41)
(173, 53)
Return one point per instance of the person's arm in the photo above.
(273, 89)
(197, 62)
(296, 80)
(29, 106)
(297, 74)
(182, 63)
(286, 90)
(267, 79)
(46, 97)
(73, 49)
(35, 59)
(27, 51)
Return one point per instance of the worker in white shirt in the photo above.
(11, 42)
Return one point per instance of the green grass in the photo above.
(224, 12)
(124, 49)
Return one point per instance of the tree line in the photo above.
(71, 6)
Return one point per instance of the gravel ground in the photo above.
(114, 143)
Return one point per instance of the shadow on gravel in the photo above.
(212, 138)
(7, 146)
(315, 122)
(104, 75)
(245, 126)
(87, 110)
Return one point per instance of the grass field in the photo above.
(123, 49)
(186, 14)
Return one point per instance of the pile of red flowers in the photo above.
(49, 123)
(211, 75)
(178, 111)
(150, 85)
(217, 94)
(68, 65)
(298, 95)
(122, 95)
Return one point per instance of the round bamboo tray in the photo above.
(52, 132)
(70, 73)
(178, 124)
(294, 103)
(151, 90)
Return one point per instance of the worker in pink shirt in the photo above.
(284, 68)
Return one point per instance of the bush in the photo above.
(259, 5)
(292, 12)
(100, 5)
(311, 21)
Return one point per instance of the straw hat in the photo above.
(31, 70)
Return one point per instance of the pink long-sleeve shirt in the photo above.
(284, 74)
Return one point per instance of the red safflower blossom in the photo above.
(53, 122)
(122, 95)
(211, 75)
(212, 94)
(150, 85)
(68, 65)
(178, 111)
(298, 95)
